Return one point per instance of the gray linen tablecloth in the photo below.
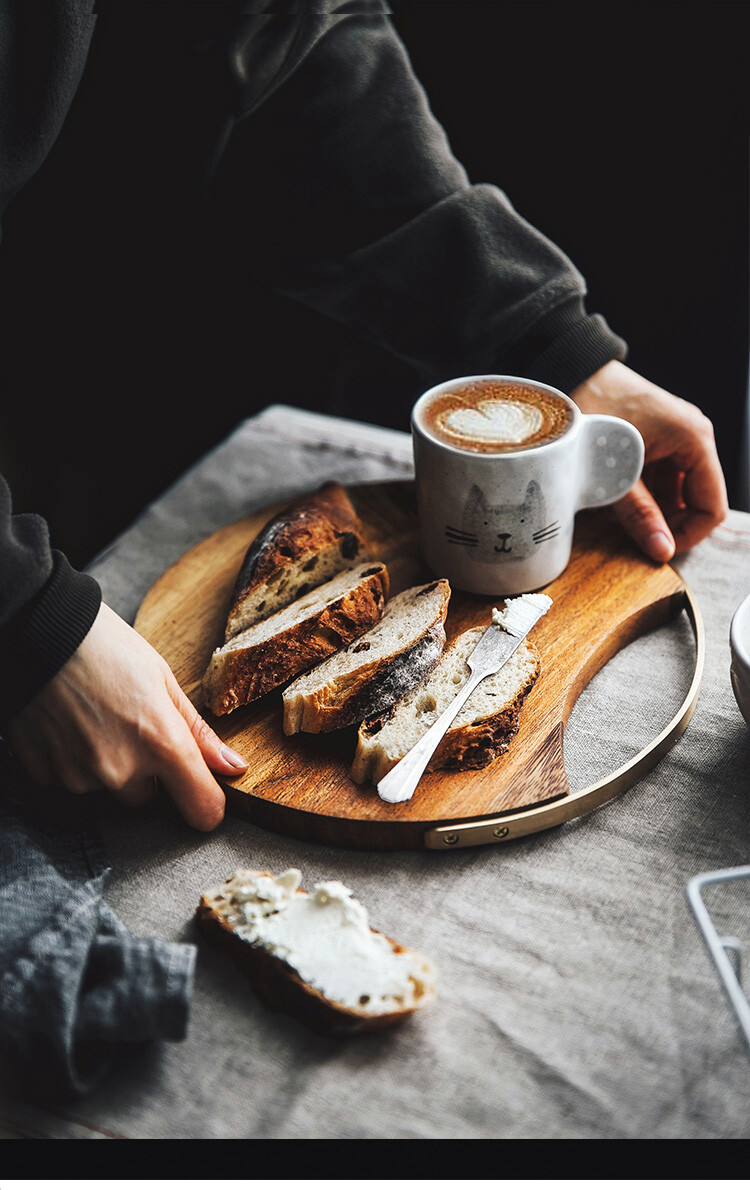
(576, 998)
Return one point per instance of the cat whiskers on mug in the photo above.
(461, 537)
(547, 533)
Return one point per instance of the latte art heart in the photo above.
(495, 421)
(495, 415)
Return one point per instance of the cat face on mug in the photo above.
(511, 531)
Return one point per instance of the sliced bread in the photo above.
(481, 731)
(368, 677)
(314, 955)
(302, 547)
(295, 638)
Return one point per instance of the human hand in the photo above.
(681, 495)
(114, 717)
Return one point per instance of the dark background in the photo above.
(621, 130)
(618, 129)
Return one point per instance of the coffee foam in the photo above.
(495, 421)
(492, 416)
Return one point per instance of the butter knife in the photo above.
(496, 646)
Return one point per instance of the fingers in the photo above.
(682, 496)
(676, 510)
(185, 776)
(190, 750)
(643, 520)
(665, 481)
(689, 488)
(692, 503)
(705, 497)
(218, 756)
(115, 718)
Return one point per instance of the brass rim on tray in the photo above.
(512, 824)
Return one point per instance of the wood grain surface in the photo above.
(300, 785)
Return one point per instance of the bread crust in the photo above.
(236, 678)
(373, 688)
(472, 746)
(280, 987)
(376, 691)
(325, 521)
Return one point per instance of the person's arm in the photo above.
(368, 218)
(85, 702)
(46, 607)
(341, 190)
(114, 717)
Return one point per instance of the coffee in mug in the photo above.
(495, 416)
(502, 466)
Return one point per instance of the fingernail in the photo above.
(659, 546)
(232, 757)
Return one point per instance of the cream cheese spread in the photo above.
(519, 615)
(325, 936)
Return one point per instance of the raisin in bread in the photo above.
(295, 638)
(314, 955)
(302, 547)
(482, 729)
(367, 677)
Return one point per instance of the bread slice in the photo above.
(302, 547)
(368, 677)
(314, 955)
(295, 638)
(481, 731)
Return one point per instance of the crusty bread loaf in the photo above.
(300, 548)
(295, 638)
(368, 677)
(314, 955)
(482, 729)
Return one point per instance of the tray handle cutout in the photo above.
(503, 828)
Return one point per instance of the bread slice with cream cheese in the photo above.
(482, 729)
(315, 955)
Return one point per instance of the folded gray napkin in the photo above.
(78, 992)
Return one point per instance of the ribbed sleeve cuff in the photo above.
(566, 347)
(40, 638)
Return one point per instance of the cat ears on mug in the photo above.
(477, 503)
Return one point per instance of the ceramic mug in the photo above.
(500, 521)
(739, 644)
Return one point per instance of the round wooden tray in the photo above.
(300, 785)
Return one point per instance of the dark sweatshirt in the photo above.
(309, 115)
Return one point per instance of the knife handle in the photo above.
(399, 784)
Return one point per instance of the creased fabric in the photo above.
(78, 992)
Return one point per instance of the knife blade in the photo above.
(494, 648)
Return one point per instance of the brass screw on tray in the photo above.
(500, 832)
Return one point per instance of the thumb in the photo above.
(642, 519)
(218, 756)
